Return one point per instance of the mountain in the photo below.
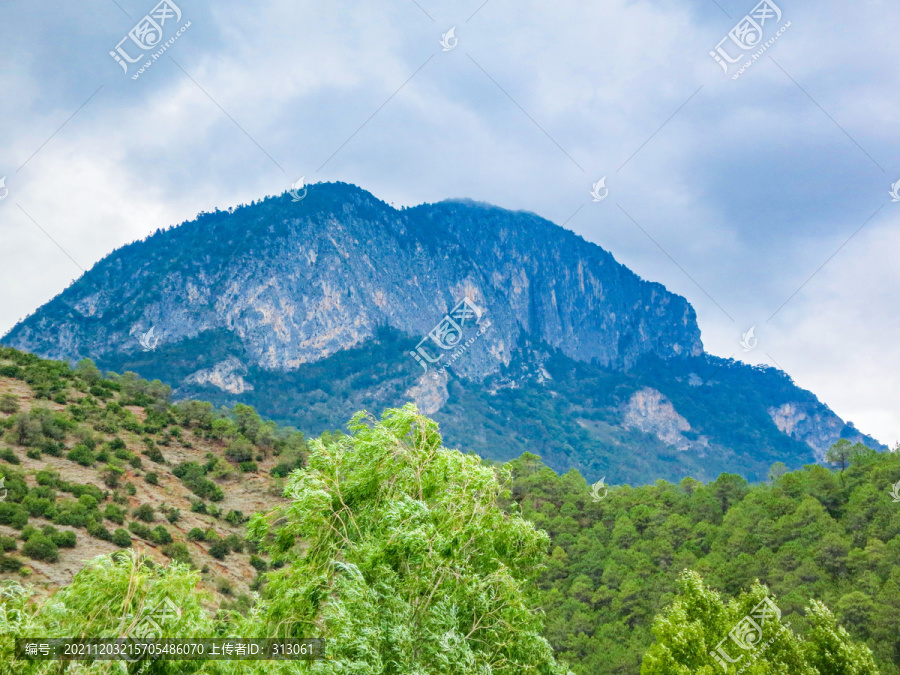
(512, 332)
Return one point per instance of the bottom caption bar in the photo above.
(165, 649)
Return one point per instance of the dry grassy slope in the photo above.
(249, 493)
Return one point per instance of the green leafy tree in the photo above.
(107, 599)
(408, 565)
(689, 635)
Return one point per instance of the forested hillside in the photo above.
(411, 557)
(93, 463)
(813, 534)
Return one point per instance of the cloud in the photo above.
(748, 185)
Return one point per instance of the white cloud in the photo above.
(750, 187)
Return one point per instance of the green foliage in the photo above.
(140, 529)
(7, 455)
(9, 403)
(10, 563)
(40, 547)
(160, 535)
(64, 539)
(690, 631)
(114, 513)
(248, 467)
(107, 599)
(235, 543)
(807, 535)
(111, 475)
(196, 534)
(82, 454)
(193, 476)
(235, 518)
(153, 452)
(240, 450)
(88, 371)
(121, 538)
(97, 530)
(152, 478)
(219, 549)
(408, 559)
(178, 552)
(13, 515)
(145, 512)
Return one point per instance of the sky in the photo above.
(763, 196)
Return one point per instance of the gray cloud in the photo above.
(750, 187)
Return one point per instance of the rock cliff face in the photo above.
(298, 282)
(651, 412)
(515, 333)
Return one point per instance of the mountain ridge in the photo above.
(240, 299)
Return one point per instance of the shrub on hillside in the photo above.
(39, 547)
(152, 478)
(160, 535)
(240, 450)
(7, 455)
(111, 475)
(121, 538)
(235, 543)
(140, 530)
(145, 512)
(235, 518)
(65, 539)
(13, 515)
(114, 513)
(219, 550)
(9, 563)
(9, 403)
(196, 534)
(193, 476)
(97, 530)
(81, 454)
(178, 552)
(37, 506)
(221, 469)
(7, 543)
